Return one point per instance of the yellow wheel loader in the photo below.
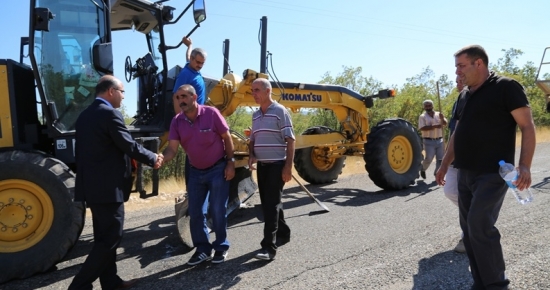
(69, 48)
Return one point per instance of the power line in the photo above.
(356, 32)
(394, 24)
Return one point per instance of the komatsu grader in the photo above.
(69, 47)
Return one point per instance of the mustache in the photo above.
(182, 104)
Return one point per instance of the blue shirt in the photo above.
(189, 76)
(105, 101)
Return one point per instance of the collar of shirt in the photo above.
(191, 69)
(200, 111)
(273, 104)
(105, 101)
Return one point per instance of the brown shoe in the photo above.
(127, 284)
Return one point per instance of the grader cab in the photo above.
(70, 46)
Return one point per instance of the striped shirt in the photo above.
(427, 120)
(269, 132)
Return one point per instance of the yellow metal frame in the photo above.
(6, 138)
(233, 92)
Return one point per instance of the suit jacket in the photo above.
(103, 145)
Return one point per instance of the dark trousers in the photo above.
(270, 185)
(108, 219)
(479, 201)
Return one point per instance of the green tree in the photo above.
(127, 119)
(526, 76)
(350, 78)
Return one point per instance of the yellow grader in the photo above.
(69, 47)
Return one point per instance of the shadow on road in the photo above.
(159, 239)
(205, 275)
(295, 197)
(166, 244)
(447, 270)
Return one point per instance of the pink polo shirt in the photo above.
(200, 139)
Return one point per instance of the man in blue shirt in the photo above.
(190, 73)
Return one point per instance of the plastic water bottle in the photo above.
(509, 174)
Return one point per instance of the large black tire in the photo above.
(393, 154)
(39, 222)
(311, 164)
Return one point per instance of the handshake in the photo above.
(159, 161)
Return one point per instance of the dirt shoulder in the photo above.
(171, 190)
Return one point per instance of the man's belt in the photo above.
(439, 138)
(209, 167)
(268, 163)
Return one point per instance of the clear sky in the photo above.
(390, 40)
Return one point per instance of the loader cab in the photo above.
(64, 37)
(70, 49)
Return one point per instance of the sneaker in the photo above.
(265, 255)
(423, 174)
(199, 257)
(460, 247)
(219, 257)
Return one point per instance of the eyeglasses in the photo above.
(122, 91)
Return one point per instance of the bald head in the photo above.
(111, 90)
(105, 83)
(264, 83)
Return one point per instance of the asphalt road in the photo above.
(371, 239)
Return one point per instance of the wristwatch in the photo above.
(232, 159)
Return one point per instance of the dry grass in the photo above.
(543, 135)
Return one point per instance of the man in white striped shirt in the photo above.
(272, 148)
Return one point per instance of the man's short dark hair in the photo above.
(474, 52)
(104, 84)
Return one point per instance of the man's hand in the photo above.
(440, 174)
(187, 41)
(287, 173)
(524, 177)
(159, 161)
(251, 161)
(229, 171)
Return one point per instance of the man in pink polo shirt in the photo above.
(204, 135)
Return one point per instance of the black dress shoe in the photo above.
(127, 284)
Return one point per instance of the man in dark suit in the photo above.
(103, 150)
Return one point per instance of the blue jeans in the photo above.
(199, 184)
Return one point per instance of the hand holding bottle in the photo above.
(509, 173)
